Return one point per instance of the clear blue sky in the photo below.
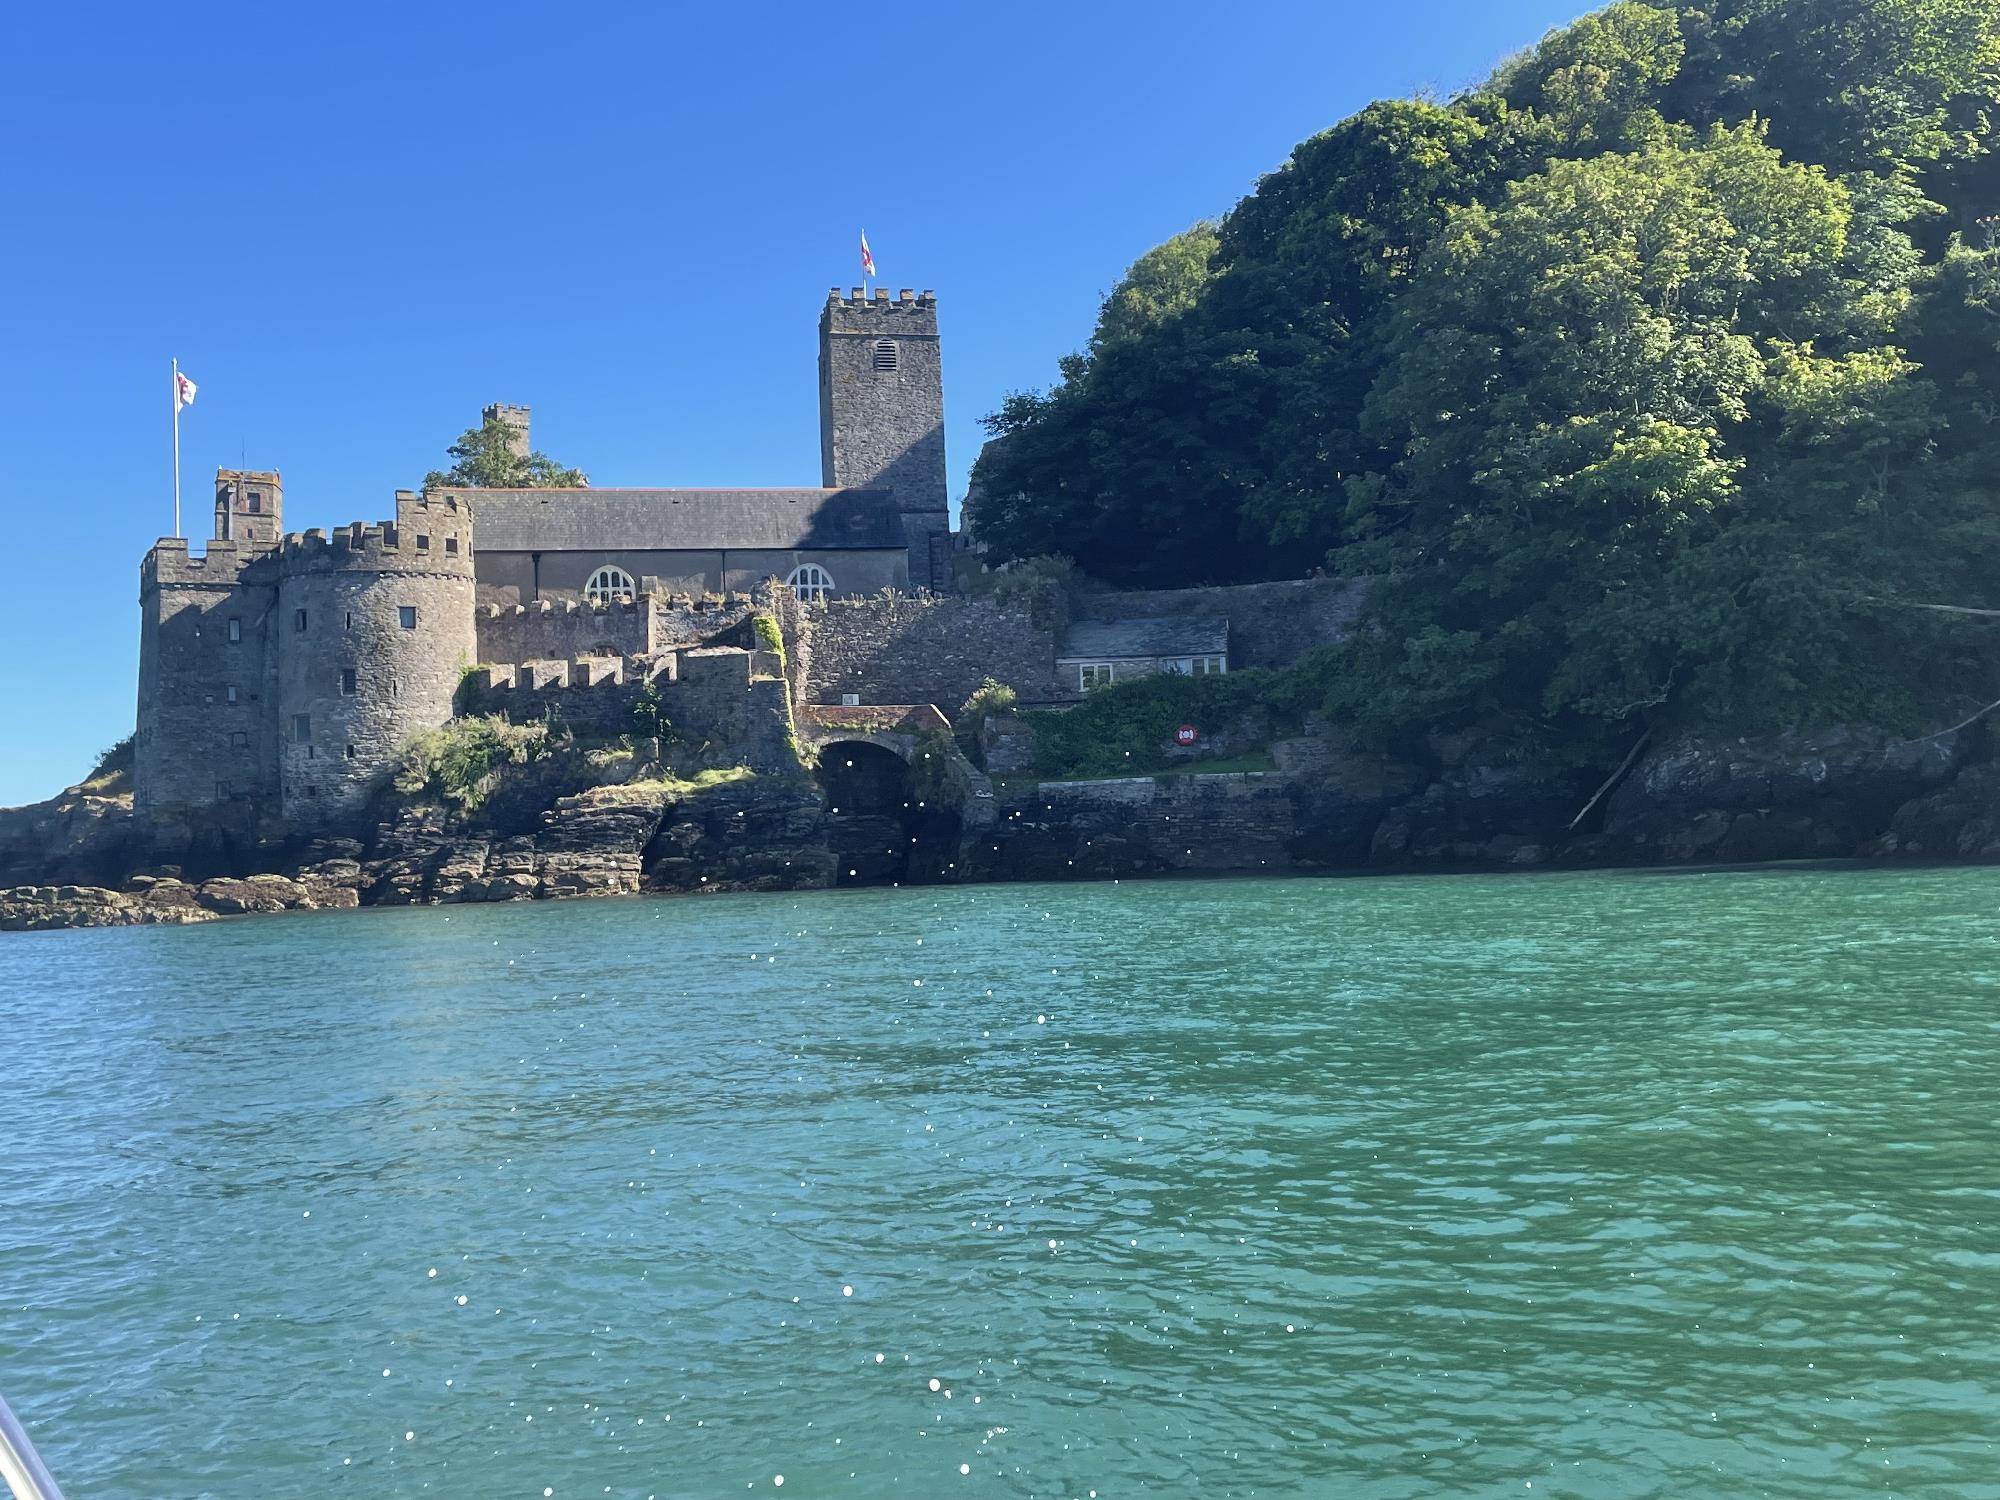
(354, 225)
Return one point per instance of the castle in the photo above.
(280, 672)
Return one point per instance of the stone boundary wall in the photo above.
(1270, 624)
(730, 700)
(927, 649)
(546, 629)
(681, 620)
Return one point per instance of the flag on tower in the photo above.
(183, 391)
(867, 256)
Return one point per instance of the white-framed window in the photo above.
(1092, 674)
(406, 616)
(810, 583)
(610, 586)
(1208, 666)
(885, 355)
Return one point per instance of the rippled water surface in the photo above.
(1602, 1185)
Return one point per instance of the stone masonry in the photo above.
(928, 649)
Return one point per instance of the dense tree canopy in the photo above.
(484, 457)
(1656, 377)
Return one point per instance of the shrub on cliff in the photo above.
(457, 762)
(113, 772)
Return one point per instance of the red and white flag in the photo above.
(867, 256)
(183, 391)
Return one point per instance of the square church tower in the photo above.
(881, 414)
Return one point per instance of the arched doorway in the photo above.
(868, 802)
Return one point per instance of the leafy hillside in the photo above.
(1658, 375)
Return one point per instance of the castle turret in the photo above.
(881, 410)
(249, 506)
(373, 629)
(516, 418)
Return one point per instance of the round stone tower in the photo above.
(373, 631)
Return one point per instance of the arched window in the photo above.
(608, 585)
(885, 354)
(810, 583)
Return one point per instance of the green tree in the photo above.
(1598, 81)
(1657, 377)
(1856, 85)
(1625, 485)
(1164, 283)
(484, 457)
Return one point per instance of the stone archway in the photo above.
(869, 804)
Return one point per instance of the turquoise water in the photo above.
(1597, 1185)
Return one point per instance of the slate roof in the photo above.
(1126, 640)
(607, 520)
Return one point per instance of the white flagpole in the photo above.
(177, 446)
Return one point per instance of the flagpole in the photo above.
(175, 387)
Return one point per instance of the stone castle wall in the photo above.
(562, 630)
(547, 629)
(730, 703)
(281, 680)
(205, 735)
(927, 649)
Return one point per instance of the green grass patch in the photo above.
(674, 786)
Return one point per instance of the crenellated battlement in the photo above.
(169, 564)
(415, 542)
(576, 674)
(858, 299)
(414, 505)
(565, 607)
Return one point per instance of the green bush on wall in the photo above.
(456, 760)
(769, 636)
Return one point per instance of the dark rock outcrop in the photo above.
(154, 901)
(1798, 796)
(1840, 793)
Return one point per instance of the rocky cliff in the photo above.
(729, 832)
(562, 829)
